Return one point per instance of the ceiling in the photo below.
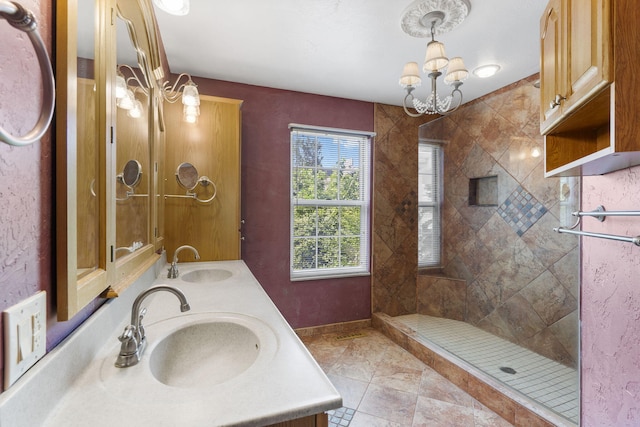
(352, 49)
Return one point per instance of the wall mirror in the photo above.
(131, 174)
(187, 176)
(103, 243)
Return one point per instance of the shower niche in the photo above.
(483, 191)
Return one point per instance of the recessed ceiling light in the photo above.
(174, 7)
(485, 71)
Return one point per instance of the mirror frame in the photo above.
(110, 277)
(73, 293)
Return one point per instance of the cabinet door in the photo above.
(589, 47)
(552, 75)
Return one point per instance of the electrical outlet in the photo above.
(25, 333)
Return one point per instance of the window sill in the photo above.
(328, 276)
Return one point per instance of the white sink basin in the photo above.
(213, 352)
(206, 275)
(190, 355)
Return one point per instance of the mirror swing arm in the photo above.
(187, 178)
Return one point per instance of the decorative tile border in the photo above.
(521, 210)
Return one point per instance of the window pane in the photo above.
(429, 199)
(303, 183)
(350, 251)
(426, 190)
(304, 221)
(328, 221)
(304, 254)
(327, 182)
(350, 221)
(350, 184)
(328, 252)
(304, 152)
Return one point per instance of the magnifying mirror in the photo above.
(131, 173)
(187, 176)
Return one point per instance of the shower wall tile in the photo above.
(441, 297)
(507, 276)
(564, 271)
(549, 298)
(394, 227)
(521, 318)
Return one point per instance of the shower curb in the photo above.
(509, 404)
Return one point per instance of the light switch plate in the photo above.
(25, 333)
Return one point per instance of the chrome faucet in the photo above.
(173, 271)
(133, 339)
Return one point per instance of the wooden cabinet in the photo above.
(318, 420)
(213, 146)
(575, 56)
(589, 97)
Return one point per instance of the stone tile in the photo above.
(513, 269)
(567, 331)
(441, 297)
(492, 399)
(437, 413)
(484, 417)
(547, 245)
(521, 318)
(494, 323)
(479, 305)
(398, 377)
(549, 298)
(387, 403)
(351, 390)
(567, 271)
(519, 158)
(519, 105)
(398, 356)
(547, 344)
(365, 420)
(435, 386)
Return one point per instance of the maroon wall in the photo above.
(266, 114)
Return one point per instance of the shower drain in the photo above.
(508, 370)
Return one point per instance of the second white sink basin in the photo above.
(206, 275)
(210, 352)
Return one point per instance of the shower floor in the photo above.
(538, 378)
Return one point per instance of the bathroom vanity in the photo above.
(231, 360)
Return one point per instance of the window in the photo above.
(330, 180)
(429, 201)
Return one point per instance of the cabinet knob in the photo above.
(559, 98)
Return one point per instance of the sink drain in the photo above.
(508, 370)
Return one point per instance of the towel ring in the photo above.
(22, 19)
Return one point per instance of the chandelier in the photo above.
(424, 18)
(126, 87)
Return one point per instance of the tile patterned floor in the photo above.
(384, 385)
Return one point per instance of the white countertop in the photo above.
(284, 383)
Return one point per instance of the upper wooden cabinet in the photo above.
(575, 56)
(590, 109)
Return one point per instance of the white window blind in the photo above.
(429, 202)
(330, 198)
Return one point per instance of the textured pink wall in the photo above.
(26, 225)
(611, 305)
(266, 114)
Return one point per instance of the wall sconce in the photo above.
(187, 92)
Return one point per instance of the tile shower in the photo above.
(504, 270)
